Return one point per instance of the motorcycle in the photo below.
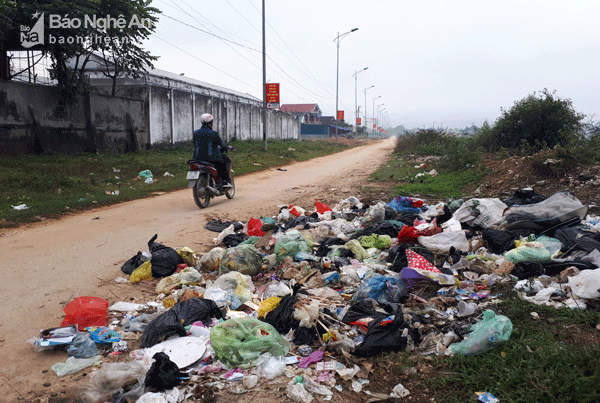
(205, 182)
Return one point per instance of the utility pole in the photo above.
(264, 60)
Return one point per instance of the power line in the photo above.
(208, 64)
(284, 42)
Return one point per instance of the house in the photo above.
(306, 113)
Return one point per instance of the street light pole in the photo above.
(366, 121)
(355, 99)
(337, 79)
(374, 107)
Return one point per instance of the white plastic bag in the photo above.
(442, 242)
(586, 284)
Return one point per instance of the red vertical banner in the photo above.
(272, 95)
(358, 121)
(340, 115)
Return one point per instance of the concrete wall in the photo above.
(141, 116)
(32, 120)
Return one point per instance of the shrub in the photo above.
(534, 123)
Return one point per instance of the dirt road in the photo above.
(45, 265)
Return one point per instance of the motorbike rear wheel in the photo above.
(231, 192)
(201, 196)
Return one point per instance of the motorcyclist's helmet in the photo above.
(206, 118)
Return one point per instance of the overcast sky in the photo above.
(449, 63)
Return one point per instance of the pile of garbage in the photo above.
(304, 295)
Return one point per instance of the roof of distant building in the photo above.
(300, 108)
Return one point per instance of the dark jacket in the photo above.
(207, 144)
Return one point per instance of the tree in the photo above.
(536, 121)
(79, 28)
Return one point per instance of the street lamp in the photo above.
(355, 99)
(337, 79)
(374, 107)
(379, 116)
(366, 121)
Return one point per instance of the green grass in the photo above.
(401, 170)
(542, 362)
(52, 185)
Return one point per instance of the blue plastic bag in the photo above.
(381, 289)
(491, 330)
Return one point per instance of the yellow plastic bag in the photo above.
(144, 272)
(187, 255)
(267, 306)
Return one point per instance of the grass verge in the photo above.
(52, 185)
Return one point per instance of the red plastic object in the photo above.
(86, 311)
(254, 225)
(293, 210)
(321, 207)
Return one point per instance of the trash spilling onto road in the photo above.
(306, 297)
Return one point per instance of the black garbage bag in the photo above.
(498, 241)
(325, 246)
(525, 270)
(368, 308)
(305, 336)
(381, 228)
(164, 259)
(386, 334)
(524, 196)
(282, 317)
(390, 213)
(132, 264)
(218, 225)
(182, 314)
(302, 220)
(234, 239)
(163, 374)
(574, 239)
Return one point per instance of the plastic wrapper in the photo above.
(359, 252)
(528, 252)
(290, 244)
(227, 231)
(405, 205)
(254, 225)
(187, 255)
(491, 330)
(138, 323)
(375, 241)
(270, 367)
(188, 276)
(381, 289)
(245, 259)
(237, 283)
(143, 272)
(480, 212)
(586, 284)
(240, 342)
(103, 383)
(374, 215)
(268, 305)
(442, 242)
(307, 314)
(82, 346)
(210, 261)
(276, 288)
(73, 365)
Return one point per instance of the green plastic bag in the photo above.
(359, 252)
(491, 330)
(375, 241)
(290, 244)
(244, 258)
(240, 342)
(528, 252)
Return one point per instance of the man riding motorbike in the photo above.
(208, 147)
